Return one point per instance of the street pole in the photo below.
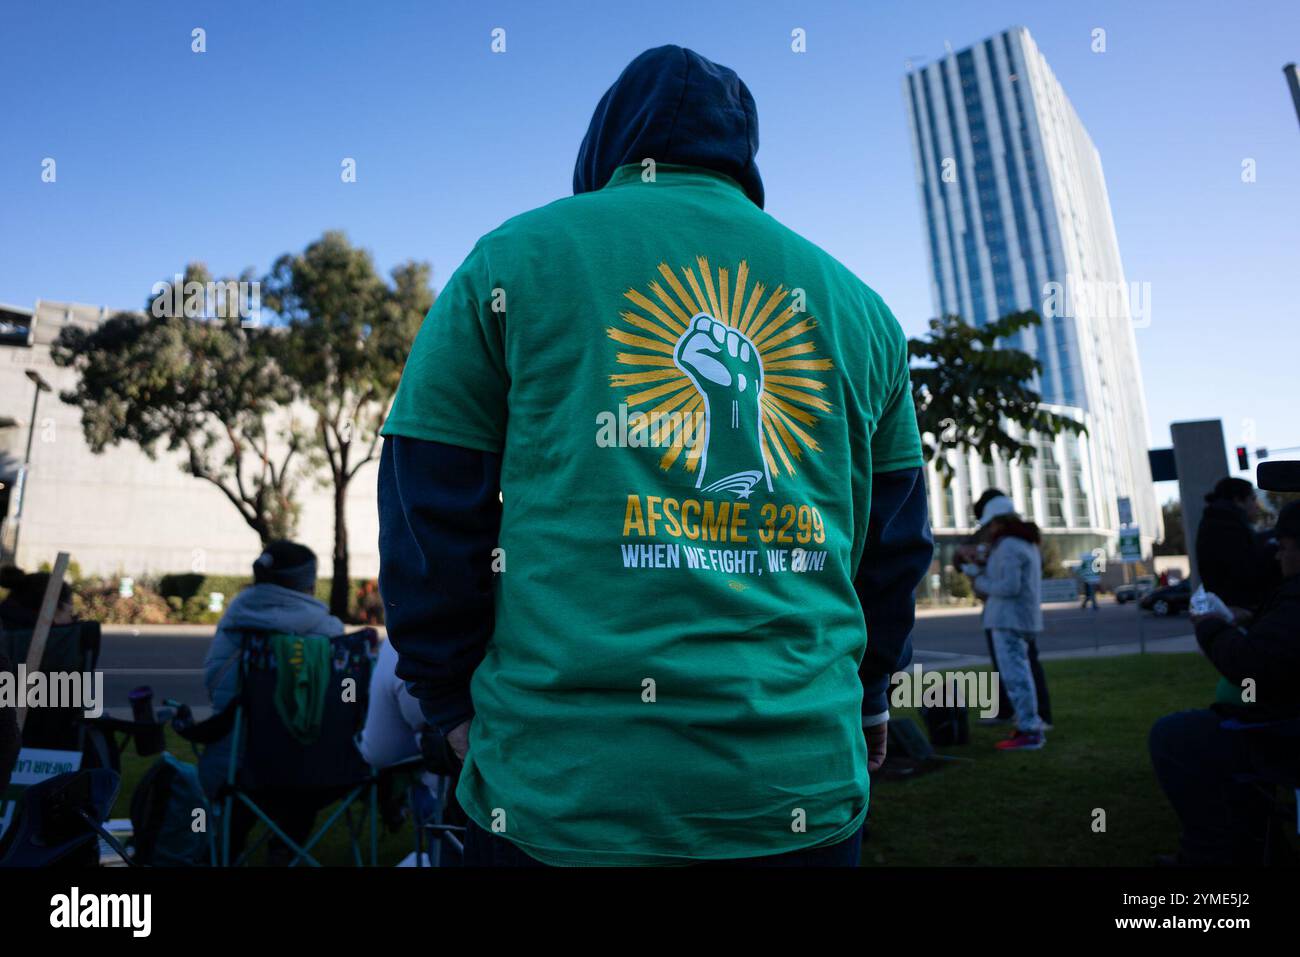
(1142, 632)
(40, 385)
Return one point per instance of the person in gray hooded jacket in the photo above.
(1011, 584)
(280, 600)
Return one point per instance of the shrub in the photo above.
(98, 599)
(959, 585)
(191, 585)
(369, 607)
(1052, 566)
(183, 598)
(74, 569)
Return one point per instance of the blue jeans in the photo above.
(1014, 673)
(1005, 711)
(1198, 764)
(485, 849)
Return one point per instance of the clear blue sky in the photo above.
(232, 157)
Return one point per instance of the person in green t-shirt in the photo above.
(652, 508)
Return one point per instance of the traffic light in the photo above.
(1243, 458)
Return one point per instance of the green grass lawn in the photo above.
(1030, 808)
(1036, 807)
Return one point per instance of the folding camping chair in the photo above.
(435, 820)
(60, 822)
(267, 761)
(436, 817)
(1276, 760)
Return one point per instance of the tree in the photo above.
(346, 339)
(1051, 555)
(1174, 542)
(1271, 504)
(968, 390)
(199, 383)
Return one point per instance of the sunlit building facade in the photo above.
(1017, 217)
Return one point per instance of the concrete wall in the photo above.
(1201, 463)
(121, 512)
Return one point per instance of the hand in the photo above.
(877, 742)
(458, 740)
(1241, 616)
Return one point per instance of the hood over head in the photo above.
(269, 607)
(673, 106)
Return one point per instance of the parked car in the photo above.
(1170, 600)
(1134, 590)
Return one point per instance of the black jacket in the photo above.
(1267, 651)
(1232, 561)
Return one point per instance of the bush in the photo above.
(958, 585)
(1052, 567)
(187, 586)
(368, 609)
(98, 599)
(183, 599)
(74, 569)
(192, 611)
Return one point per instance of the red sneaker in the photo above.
(1022, 741)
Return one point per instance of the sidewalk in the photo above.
(945, 611)
(1183, 644)
(196, 631)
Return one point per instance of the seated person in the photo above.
(1197, 761)
(22, 606)
(393, 733)
(280, 600)
(394, 720)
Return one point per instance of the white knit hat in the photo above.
(998, 505)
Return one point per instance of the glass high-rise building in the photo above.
(1017, 217)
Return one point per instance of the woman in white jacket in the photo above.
(1011, 584)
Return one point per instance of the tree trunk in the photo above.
(340, 587)
(262, 527)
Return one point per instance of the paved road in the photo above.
(171, 660)
(940, 637)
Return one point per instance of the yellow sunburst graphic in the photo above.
(664, 315)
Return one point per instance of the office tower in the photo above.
(1017, 217)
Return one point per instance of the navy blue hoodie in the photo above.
(439, 512)
(673, 106)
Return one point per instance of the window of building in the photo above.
(1082, 514)
(1053, 498)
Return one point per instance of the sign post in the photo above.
(1130, 551)
(1130, 544)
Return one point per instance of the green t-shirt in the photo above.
(690, 401)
